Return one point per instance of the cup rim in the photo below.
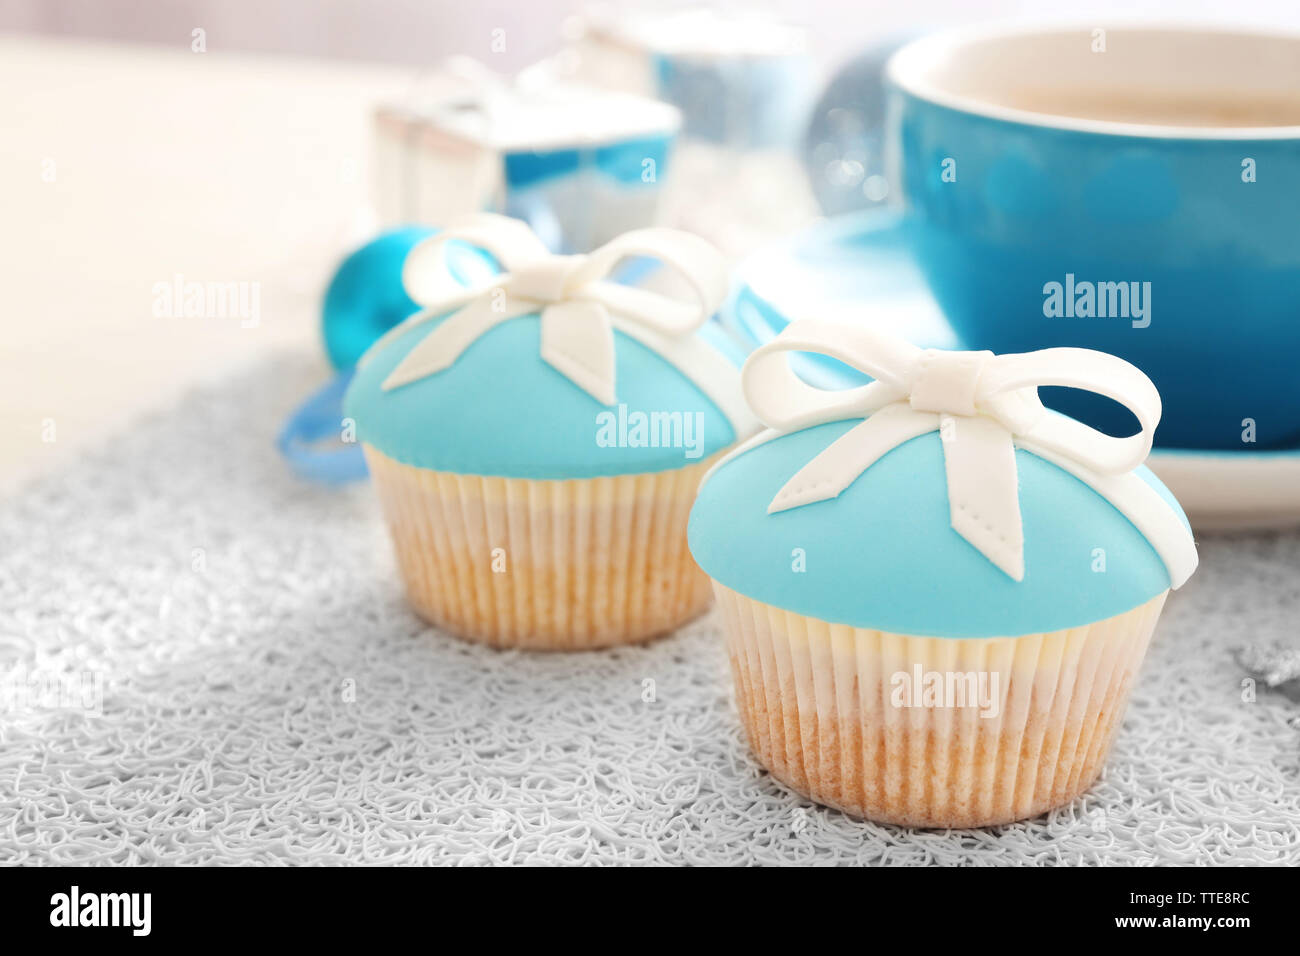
(902, 70)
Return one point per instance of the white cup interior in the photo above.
(1145, 80)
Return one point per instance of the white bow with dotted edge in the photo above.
(984, 406)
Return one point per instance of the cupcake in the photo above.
(936, 592)
(536, 442)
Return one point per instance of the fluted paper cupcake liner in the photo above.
(828, 715)
(545, 565)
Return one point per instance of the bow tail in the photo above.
(979, 458)
(845, 459)
(578, 342)
(441, 347)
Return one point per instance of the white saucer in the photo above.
(856, 268)
(1233, 491)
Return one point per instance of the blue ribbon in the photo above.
(622, 162)
(311, 441)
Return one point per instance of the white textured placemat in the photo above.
(267, 697)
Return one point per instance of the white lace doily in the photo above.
(267, 697)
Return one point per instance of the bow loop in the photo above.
(1102, 374)
(784, 401)
(983, 405)
(685, 258)
(427, 278)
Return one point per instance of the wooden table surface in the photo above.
(123, 167)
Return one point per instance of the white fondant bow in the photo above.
(983, 406)
(579, 307)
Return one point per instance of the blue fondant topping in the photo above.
(501, 410)
(883, 555)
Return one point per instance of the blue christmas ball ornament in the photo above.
(366, 298)
(845, 143)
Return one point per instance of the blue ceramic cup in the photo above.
(1133, 190)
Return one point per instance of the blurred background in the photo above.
(245, 146)
(417, 32)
